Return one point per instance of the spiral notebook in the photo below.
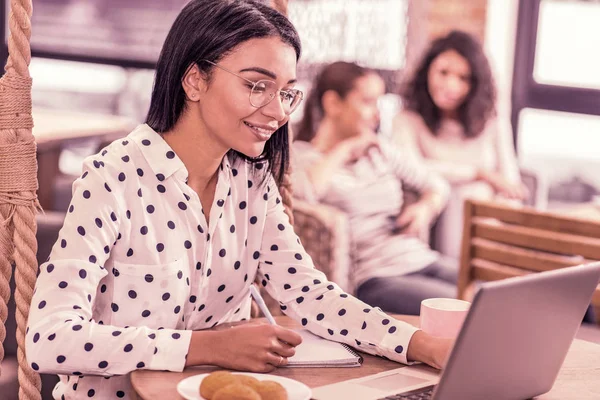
(314, 351)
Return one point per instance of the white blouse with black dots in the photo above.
(136, 268)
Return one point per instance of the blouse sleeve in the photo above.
(62, 336)
(405, 135)
(288, 274)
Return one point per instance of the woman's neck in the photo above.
(200, 152)
(328, 136)
(450, 115)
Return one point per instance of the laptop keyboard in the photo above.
(424, 393)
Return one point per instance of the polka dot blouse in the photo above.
(137, 267)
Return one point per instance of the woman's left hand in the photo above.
(415, 219)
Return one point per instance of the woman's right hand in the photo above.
(251, 347)
(503, 187)
(431, 350)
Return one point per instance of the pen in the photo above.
(261, 304)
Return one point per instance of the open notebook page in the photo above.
(314, 351)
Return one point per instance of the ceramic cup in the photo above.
(443, 317)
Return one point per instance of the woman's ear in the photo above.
(332, 103)
(193, 83)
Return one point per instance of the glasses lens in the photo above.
(295, 101)
(262, 93)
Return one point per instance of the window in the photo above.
(568, 40)
(556, 90)
(370, 32)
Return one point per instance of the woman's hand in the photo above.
(321, 173)
(354, 148)
(502, 186)
(431, 350)
(415, 219)
(249, 347)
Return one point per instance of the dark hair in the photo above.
(479, 105)
(209, 30)
(339, 77)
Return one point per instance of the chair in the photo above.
(501, 242)
(325, 236)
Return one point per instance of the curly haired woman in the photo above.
(449, 124)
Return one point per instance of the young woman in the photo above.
(341, 162)
(169, 226)
(449, 124)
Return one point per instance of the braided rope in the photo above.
(30, 384)
(6, 249)
(18, 186)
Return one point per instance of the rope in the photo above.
(6, 249)
(15, 102)
(18, 184)
(30, 384)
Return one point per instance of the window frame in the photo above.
(526, 92)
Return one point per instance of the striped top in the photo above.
(369, 192)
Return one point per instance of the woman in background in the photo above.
(449, 125)
(340, 161)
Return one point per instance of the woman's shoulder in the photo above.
(408, 122)
(410, 118)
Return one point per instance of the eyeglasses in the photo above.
(262, 92)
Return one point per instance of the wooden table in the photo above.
(53, 128)
(579, 377)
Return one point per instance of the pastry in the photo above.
(215, 381)
(270, 390)
(236, 391)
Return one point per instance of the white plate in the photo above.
(189, 388)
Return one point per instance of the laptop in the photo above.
(511, 345)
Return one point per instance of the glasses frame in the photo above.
(294, 92)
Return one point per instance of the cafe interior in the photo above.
(92, 67)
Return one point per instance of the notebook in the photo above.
(314, 351)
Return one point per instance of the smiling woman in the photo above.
(169, 227)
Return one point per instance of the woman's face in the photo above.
(224, 107)
(449, 80)
(358, 112)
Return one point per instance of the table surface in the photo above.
(58, 125)
(579, 377)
